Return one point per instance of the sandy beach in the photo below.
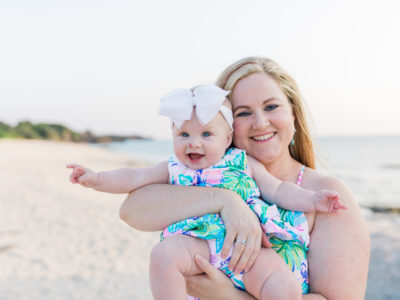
(61, 241)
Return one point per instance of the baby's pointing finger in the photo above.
(72, 166)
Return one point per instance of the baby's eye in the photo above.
(206, 134)
(271, 107)
(243, 114)
(184, 134)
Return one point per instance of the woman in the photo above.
(270, 124)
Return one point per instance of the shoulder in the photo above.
(175, 166)
(233, 157)
(339, 248)
(252, 160)
(173, 159)
(235, 152)
(316, 181)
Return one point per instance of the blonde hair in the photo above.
(303, 150)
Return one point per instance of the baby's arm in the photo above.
(119, 181)
(290, 196)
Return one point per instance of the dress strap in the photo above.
(300, 175)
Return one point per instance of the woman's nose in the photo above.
(260, 121)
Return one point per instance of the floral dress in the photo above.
(287, 230)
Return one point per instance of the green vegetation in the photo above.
(54, 132)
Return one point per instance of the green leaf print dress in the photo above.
(287, 230)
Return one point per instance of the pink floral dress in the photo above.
(287, 230)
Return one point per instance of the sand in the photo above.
(62, 241)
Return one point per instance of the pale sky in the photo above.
(103, 65)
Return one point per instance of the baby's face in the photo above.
(198, 146)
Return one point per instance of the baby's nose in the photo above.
(194, 143)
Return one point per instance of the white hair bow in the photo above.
(178, 104)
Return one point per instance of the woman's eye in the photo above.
(271, 107)
(243, 114)
(184, 134)
(206, 134)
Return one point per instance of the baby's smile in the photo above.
(195, 157)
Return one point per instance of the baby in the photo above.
(201, 120)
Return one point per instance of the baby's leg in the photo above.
(270, 278)
(170, 261)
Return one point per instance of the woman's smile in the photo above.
(263, 137)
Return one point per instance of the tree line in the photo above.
(55, 132)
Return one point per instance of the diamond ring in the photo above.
(243, 242)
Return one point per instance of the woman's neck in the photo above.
(285, 168)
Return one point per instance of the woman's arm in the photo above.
(156, 206)
(338, 257)
(339, 249)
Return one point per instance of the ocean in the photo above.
(370, 166)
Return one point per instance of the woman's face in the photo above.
(263, 118)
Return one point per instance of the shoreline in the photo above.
(383, 209)
(62, 241)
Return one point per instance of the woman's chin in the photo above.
(265, 157)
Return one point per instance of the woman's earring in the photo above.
(292, 141)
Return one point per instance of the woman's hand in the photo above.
(243, 231)
(213, 284)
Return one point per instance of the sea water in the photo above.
(369, 166)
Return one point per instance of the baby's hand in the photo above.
(83, 176)
(327, 201)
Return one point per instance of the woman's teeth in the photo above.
(264, 137)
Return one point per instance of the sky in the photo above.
(104, 65)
